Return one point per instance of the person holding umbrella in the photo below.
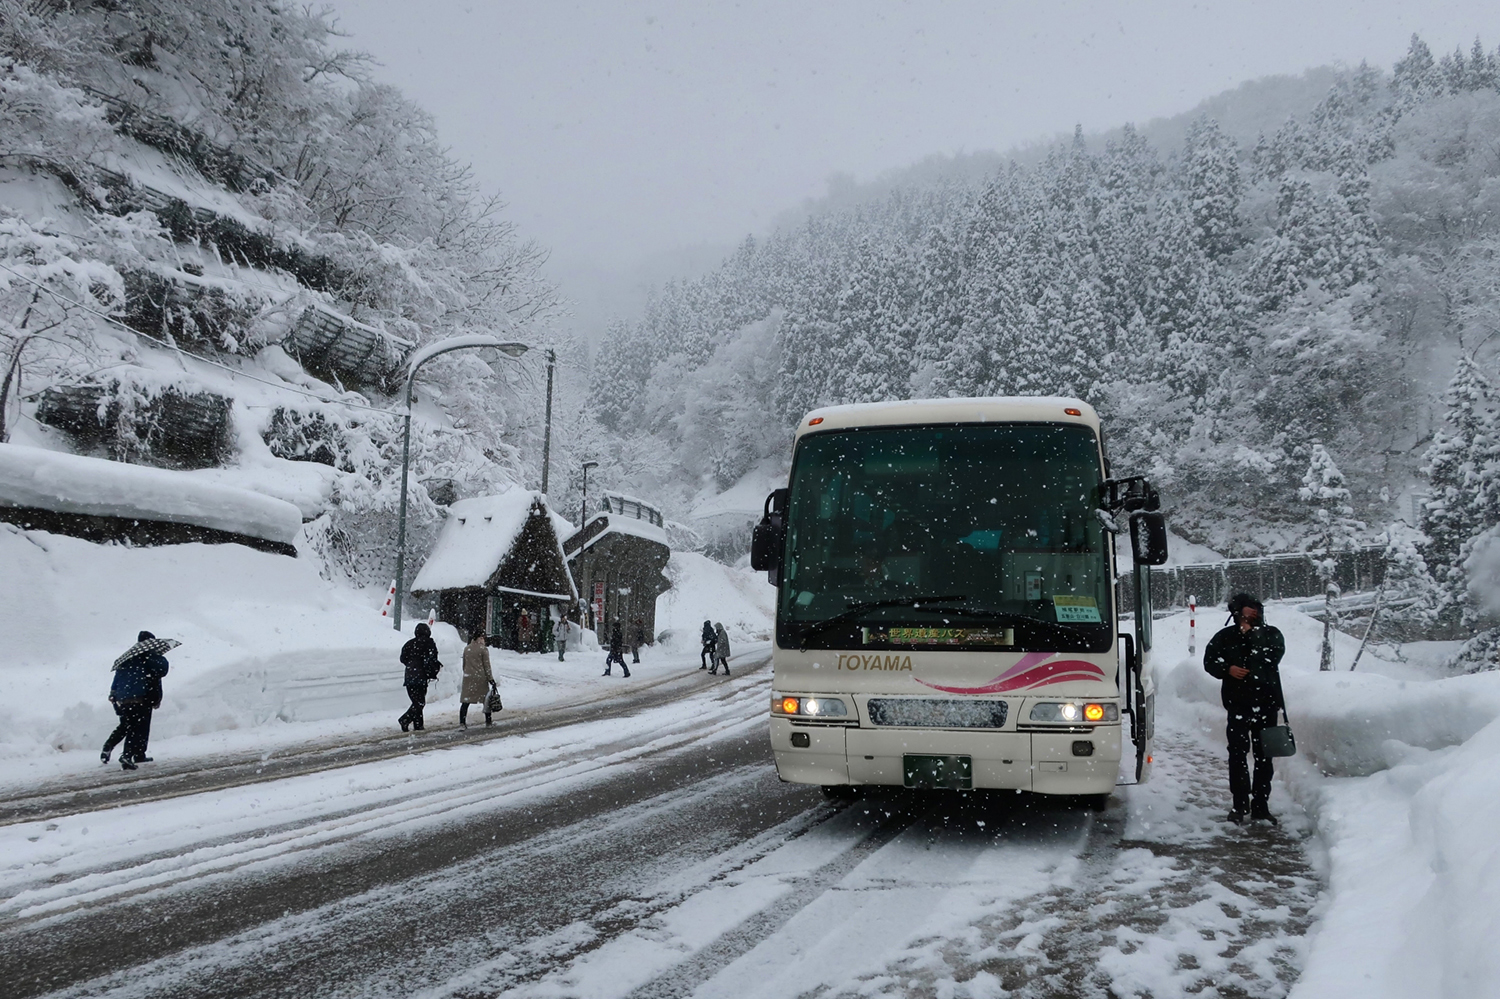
(135, 693)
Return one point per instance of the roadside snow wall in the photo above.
(1402, 776)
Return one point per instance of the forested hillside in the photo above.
(1228, 309)
(211, 207)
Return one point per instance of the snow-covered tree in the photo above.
(1323, 490)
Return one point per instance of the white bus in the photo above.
(945, 615)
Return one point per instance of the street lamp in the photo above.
(547, 436)
(507, 347)
(583, 509)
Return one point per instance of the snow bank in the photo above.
(248, 621)
(1399, 768)
(705, 590)
(70, 483)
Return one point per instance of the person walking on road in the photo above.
(479, 680)
(721, 650)
(420, 658)
(564, 628)
(616, 651)
(639, 635)
(1246, 656)
(710, 645)
(135, 693)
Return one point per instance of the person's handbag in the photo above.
(492, 705)
(1277, 740)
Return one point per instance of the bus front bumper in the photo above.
(1044, 762)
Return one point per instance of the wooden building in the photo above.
(617, 558)
(498, 565)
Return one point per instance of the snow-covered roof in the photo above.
(478, 535)
(70, 483)
(626, 524)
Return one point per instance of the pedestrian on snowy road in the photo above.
(1246, 656)
(564, 631)
(640, 639)
(616, 650)
(479, 679)
(420, 658)
(710, 645)
(135, 693)
(721, 650)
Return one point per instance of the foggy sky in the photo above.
(625, 134)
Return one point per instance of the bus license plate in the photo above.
(953, 772)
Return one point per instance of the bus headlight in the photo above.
(1071, 712)
(809, 707)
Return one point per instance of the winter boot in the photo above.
(104, 756)
(1260, 813)
(1237, 817)
(126, 763)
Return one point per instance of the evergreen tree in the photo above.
(1324, 491)
(1214, 189)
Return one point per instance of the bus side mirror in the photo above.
(1148, 537)
(769, 537)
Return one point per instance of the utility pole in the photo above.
(547, 435)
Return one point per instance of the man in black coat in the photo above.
(135, 693)
(710, 644)
(1246, 656)
(420, 658)
(616, 650)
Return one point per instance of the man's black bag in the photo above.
(1277, 740)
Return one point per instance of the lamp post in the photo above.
(507, 347)
(583, 509)
(547, 435)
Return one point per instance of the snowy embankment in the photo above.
(1399, 769)
(272, 653)
(705, 590)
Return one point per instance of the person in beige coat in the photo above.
(478, 679)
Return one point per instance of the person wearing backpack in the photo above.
(420, 658)
(1246, 656)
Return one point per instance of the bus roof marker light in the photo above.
(1073, 411)
(814, 421)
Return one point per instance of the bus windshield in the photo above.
(979, 537)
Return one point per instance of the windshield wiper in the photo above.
(854, 610)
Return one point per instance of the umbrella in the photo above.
(147, 647)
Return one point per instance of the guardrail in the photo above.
(1269, 577)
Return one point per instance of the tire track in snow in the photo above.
(1206, 908)
(451, 799)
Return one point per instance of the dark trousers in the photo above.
(463, 713)
(707, 653)
(615, 657)
(1243, 733)
(413, 716)
(134, 729)
(635, 653)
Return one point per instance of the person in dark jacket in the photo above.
(135, 693)
(710, 644)
(1246, 656)
(638, 633)
(420, 658)
(616, 650)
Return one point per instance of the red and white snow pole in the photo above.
(390, 600)
(1192, 625)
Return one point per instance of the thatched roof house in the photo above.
(498, 565)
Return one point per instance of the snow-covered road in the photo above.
(651, 854)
